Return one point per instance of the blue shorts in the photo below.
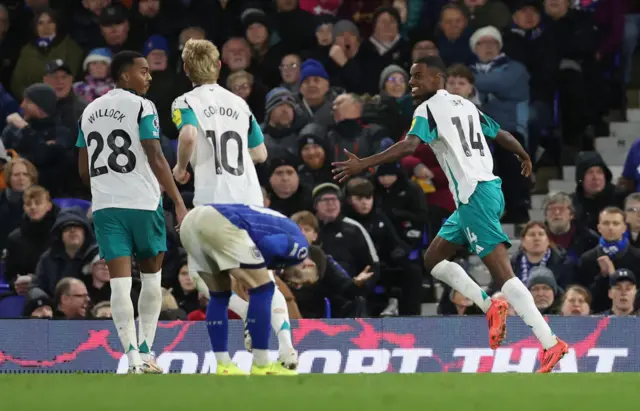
(477, 223)
(123, 232)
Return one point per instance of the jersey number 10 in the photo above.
(112, 160)
(223, 157)
(475, 144)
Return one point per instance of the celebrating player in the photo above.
(456, 131)
(222, 139)
(244, 241)
(120, 156)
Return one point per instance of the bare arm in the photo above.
(395, 152)
(83, 165)
(186, 145)
(258, 154)
(161, 169)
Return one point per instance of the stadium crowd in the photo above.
(322, 76)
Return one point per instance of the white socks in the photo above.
(522, 301)
(453, 275)
(279, 318)
(122, 314)
(149, 306)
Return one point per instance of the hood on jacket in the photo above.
(71, 216)
(587, 159)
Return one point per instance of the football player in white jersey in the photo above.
(457, 131)
(222, 140)
(120, 157)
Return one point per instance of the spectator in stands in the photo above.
(316, 97)
(283, 122)
(594, 189)
(97, 81)
(163, 83)
(345, 294)
(185, 291)
(324, 26)
(286, 193)
(19, 174)
(26, 243)
(149, 17)
(623, 293)
(503, 90)
(71, 299)
(600, 263)
(242, 84)
(101, 311)
(632, 217)
(84, 27)
(564, 231)
(454, 303)
(46, 46)
(576, 301)
(343, 238)
(403, 202)
(345, 61)
(544, 289)
(69, 107)
(37, 304)
(536, 250)
(114, 25)
(461, 81)
(630, 179)
(40, 138)
(265, 53)
(72, 247)
(170, 310)
(453, 37)
(293, 26)
(9, 49)
(348, 134)
(5, 156)
(396, 270)
(316, 154)
(236, 56)
(96, 280)
(484, 13)
(290, 72)
(8, 106)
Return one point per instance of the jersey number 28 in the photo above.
(116, 150)
(475, 144)
(223, 157)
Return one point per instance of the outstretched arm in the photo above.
(354, 165)
(509, 142)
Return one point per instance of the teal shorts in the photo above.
(124, 232)
(477, 223)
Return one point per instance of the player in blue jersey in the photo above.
(244, 242)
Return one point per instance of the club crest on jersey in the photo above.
(302, 253)
(256, 253)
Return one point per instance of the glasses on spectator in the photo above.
(289, 66)
(557, 209)
(243, 86)
(398, 79)
(632, 209)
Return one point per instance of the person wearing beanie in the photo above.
(503, 90)
(384, 47)
(97, 81)
(544, 289)
(315, 93)
(316, 153)
(344, 238)
(282, 122)
(265, 51)
(345, 64)
(287, 195)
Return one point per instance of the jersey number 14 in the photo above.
(475, 144)
(222, 159)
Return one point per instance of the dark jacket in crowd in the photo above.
(11, 209)
(55, 264)
(322, 114)
(26, 244)
(576, 242)
(314, 133)
(280, 141)
(587, 209)
(299, 201)
(351, 135)
(563, 270)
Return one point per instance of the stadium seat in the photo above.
(3, 282)
(327, 308)
(11, 306)
(72, 202)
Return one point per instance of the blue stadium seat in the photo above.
(11, 306)
(73, 202)
(327, 308)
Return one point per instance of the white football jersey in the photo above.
(111, 128)
(224, 170)
(456, 130)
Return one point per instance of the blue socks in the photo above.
(259, 315)
(218, 320)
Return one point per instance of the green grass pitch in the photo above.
(388, 392)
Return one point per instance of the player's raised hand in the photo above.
(526, 166)
(180, 175)
(345, 169)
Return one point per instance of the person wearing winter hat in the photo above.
(317, 98)
(287, 195)
(347, 67)
(393, 81)
(282, 123)
(544, 288)
(315, 151)
(39, 102)
(96, 80)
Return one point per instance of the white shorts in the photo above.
(214, 244)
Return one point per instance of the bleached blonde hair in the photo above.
(202, 61)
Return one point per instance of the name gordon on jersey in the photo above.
(221, 111)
